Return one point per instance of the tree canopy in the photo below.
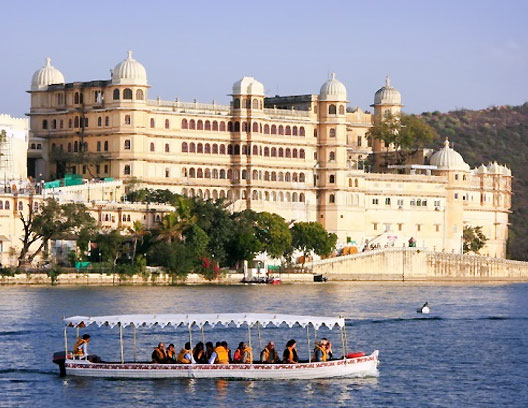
(474, 239)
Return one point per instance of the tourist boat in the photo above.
(354, 365)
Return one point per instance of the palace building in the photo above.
(303, 157)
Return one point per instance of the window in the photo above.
(281, 130)
(236, 103)
(222, 149)
(266, 129)
(332, 179)
(418, 227)
(359, 140)
(223, 129)
(255, 127)
(106, 168)
(207, 148)
(106, 146)
(199, 125)
(7, 205)
(341, 110)
(127, 93)
(139, 94)
(76, 98)
(44, 124)
(456, 196)
(152, 123)
(255, 150)
(301, 154)
(127, 119)
(116, 94)
(54, 124)
(192, 124)
(167, 173)
(237, 126)
(207, 125)
(281, 152)
(413, 202)
(331, 157)
(437, 203)
(61, 124)
(400, 227)
(437, 227)
(273, 129)
(331, 199)
(107, 121)
(456, 176)
(69, 147)
(332, 109)
(97, 168)
(332, 132)
(152, 147)
(215, 126)
(127, 144)
(167, 124)
(288, 152)
(184, 124)
(375, 201)
(98, 146)
(387, 201)
(20, 206)
(215, 148)
(255, 104)
(301, 131)
(400, 202)
(99, 121)
(375, 226)
(167, 148)
(288, 131)
(126, 170)
(294, 131)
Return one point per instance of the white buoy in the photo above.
(424, 309)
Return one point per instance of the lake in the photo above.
(470, 351)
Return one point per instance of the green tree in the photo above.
(174, 224)
(138, 232)
(111, 245)
(309, 237)
(244, 244)
(174, 257)
(51, 220)
(273, 234)
(196, 240)
(474, 239)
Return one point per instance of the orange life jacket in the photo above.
(222, 357)
(181, 356)
(160, 354)
(77, 348)
(323, 351)
(291, 356)
(249, 356)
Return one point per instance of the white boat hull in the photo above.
(365, 366)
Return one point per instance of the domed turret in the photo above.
(129, 72)
(47, 75)
(387, 95)
(248, 86)
(482, 169)
(333, 90)
(448, 159)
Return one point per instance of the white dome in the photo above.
(47, 75)
(129, 72)
(482, 169)
(333, 90)
(387, 95)
(494, 168)
(248, 86)
(448, 159)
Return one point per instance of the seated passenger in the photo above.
(199, 354)
(269, 354)
(320, 353)
(290, 353)
(247, 355)
(159, 355)
(210, 353)
(186, 356)
(80, 349)
(222, 354)
(237, 357)
(171, 354)
(326, 343)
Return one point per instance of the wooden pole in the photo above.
(66, 341)
(249, 336)
(346, 340)
(190, 336)
(308, 340)
(343, 341)
(134, 334)
(203, 337)
(259, 338)
(122, 349)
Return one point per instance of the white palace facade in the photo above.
(300, 156)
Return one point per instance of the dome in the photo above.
(482, 169)
(387, 95)
(248, 86)
(333, 90)
(47, 75)
(448, 159)
(494, 168)
(129, 72)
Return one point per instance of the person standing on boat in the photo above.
(290, 353)
(80, 349)
(269, 354)
(186, 356)
(222, 354)
(171, 354)
(320, 353)
(159, 355)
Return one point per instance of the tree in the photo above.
(244, 245)
(273, 234)
(174, 257)
(474, 239)
(174, 224)
(138, 232)
(309, 237)
(111, 245)
(52, 220)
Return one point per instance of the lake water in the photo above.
(470, 351)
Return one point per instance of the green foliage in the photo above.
(274, 234)
(110, 246)
(174, 257)
(244, 244)
(474, 239)
(147, 195)
(309, 237)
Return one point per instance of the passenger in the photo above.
(237, 357)
(186, 356)
(80, 349)
(171, 355)
(199, 354)
(328, 347)
(222, 355)
(290, 353)
(247, 355)
(210, 353)
(269, 354)
(159, 355)
(320, 353)
(224, 345)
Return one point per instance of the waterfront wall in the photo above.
(415, 264)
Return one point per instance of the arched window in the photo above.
(230, 149)
(248, 103)
(207, 125)
(222, 149)
(273, 129)
(332, 179)
(281, 152)
(266, 196)
(341, 109)
(245, 127)
(281, 130)
(207, 173)
(332, 109)
(236, 103)
(237, 126)
(184, 124)
(255, 175)
(273, 152)
(99, 121)
(273, 176)
(236, 150)
(127, 144)
(215, 148)
(106, 145)
(288, 197)
(332, 132)
(266, 129)
(1, 205)
(185, 148)
(294, 153)
(266, 176)
(127, 119)
(107, 121)
(127, 93)
(75, 122)
(199, 148)
(139, 95)
(255, 150)
(45, 124)
(76, 98)
(266, 152)
(69, 147)
(244, 150)
(287, 177)
(223, 127)
(207, 148)
(199, 125)
(294, 131)
(301, 131)
(152, 123)
(281, 196)
(331, 157)
(192, 124)
(230, 126)
(167, 124)
(54, 124)
(127, 169)
(281, 176)
(255, 104)
(76, 146)
(356, 183)
(301, 198)
(152, 148)
(255, 127)
(294, 197)
(294, 178)
(7, 205)
(288, 152)
(167, 148)
(288, 131)
(192, 173)
(222, 174)
(301, 154)
(331, 199)
(215, 126)
(301, 177)
(229, 174)
(116, 94)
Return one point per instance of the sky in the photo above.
(441, 55)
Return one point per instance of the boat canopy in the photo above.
(200, 320)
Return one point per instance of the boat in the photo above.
(358, 365)
(424, 309)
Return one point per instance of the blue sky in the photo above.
(441, 55)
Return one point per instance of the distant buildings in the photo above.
(13, 147)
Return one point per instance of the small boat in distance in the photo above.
(349, 365)
(424, 309)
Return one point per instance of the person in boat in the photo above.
(290, 353)
(224, 345)
(269, 355)
(243, 354)
(171, 354)
(328, 346)
(210, 354)
(186, 355)
(80, 349)
(320, 352)
(221, 354)
(199, 354)
(159, 355)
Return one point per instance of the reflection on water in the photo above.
(448, 358)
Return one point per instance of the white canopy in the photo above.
(201, 320)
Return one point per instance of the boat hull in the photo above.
(365, 366)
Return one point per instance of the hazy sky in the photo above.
(441, 55)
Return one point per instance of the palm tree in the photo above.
(174, 224)
(138, 231)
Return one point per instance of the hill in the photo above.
(494, 134)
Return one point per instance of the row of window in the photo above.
(244, 175)
(6, 205)
(237, 150)
(237, 127)
(254, 195)
(400, 227)
(415, 202)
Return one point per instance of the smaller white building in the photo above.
(13, 147)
